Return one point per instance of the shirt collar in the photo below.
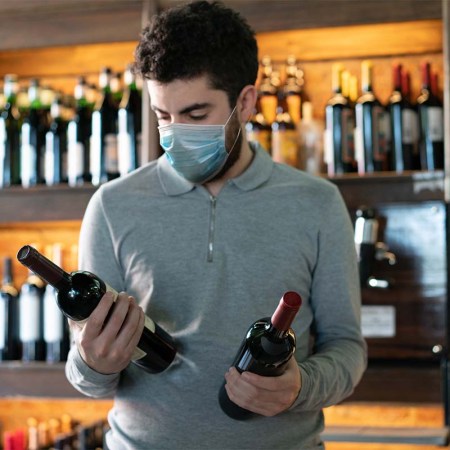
(257, 173)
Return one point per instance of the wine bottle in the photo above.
(56, 330)
(33, 139)
(372, 127)
(31, 311)
(78, 137)
(285, 139)
(403, 126)
(266, 349)
(78, 294)
(258, 130)
(55, 168)
(103, 144)
(10, 135)
(339, 124)
(431, 124)
(9, 337)
(267, 92)
(130, 126)
(293, 89)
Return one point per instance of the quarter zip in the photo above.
(212, 227)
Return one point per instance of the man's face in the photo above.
(196, 102)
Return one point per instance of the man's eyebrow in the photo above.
(186, 110)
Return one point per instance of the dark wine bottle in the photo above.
(55, 168)
(285, 137)
(10, 135)
(266, 349)
(78, 137)
(103, 145)
(9, 337)
(403, 126)
(431, 124)
(339, 120)
(56, 329)
(78, 294)
(130, 126)
(33, 139)
(372, 127)
(31, 313)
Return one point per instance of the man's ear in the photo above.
(246, 102)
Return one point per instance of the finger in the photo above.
(137, 333)
(94, 323)
(130, 324)
(116, 319)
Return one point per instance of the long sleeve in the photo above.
(339, 356)
(97, 256)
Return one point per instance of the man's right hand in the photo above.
(108, 347)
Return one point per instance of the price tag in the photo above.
(378, 321)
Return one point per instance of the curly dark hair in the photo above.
(199, 38)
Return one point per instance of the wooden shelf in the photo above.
(43, 203)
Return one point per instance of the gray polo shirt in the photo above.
(204, 268)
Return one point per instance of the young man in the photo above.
(206, 240)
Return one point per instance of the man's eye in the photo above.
(197, 117)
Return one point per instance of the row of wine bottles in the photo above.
(42, 143)
(361, 134)
(56, 434)
(32, 327)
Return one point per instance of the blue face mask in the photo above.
(196, 152)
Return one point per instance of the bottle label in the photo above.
(138, 353)
(49, 167)
(294, 107)
(285, 147)
(435, 124)
(53, 317)
(96, 147)
(124, 148)
(410, 126)
(348, 146)
(111, 154)
(75, 155)
(269, 105)
(3, 323)
(29, 316)
(2, 150)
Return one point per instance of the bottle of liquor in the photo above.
(403, 126)
(78, 137)
(258, 130)
(116, 87)
(31, 311)
(285, 139)
(372, 127)
(268, 91)
(55, 168)
(33, 139)
(78, 294)
(9, 336)
(130, 125)
(10, 135)
(103, 144)
(293, 89)
(56, 330)
(339, 125)
(431, 124)
(266, 349)
(311, 141)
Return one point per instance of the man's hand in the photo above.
(107, 347)
(267, 396)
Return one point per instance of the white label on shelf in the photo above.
(124, 148)
(96, 147)
(378, 321)
(410, 126)
(3, 323)
(49, 167)
(111, 155)
(435, 123)
(29, 316)
(2, 148)
(53, 317)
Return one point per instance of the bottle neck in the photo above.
(284, 315)
(45, 268)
